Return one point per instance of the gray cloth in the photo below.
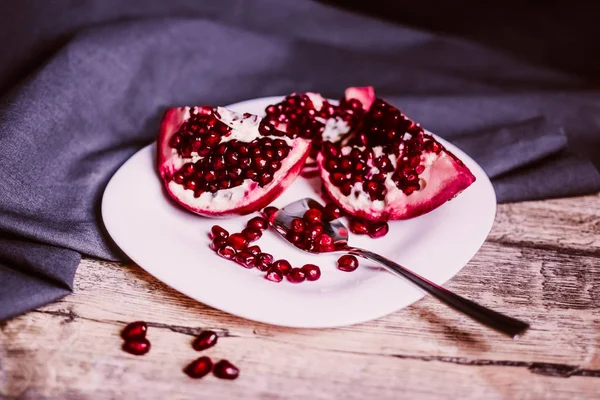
(69, 125)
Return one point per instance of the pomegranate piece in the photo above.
(274, 275)
(296, 275)
(347, 263)
(205, 340)
(135, 330)
(226, 370)
(137, 346)
(252, 234)
(238, 241)
(311, 271)
(199, 367)
(310, 116)
(258, 223)
(283, 266)
(390, 168)
(215, 162)
(218, 232)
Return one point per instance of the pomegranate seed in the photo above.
(332, 212)
(270, 213)
(254, 250)
(324, 242)
(347, 263)
(274, 275)
(311, 271)
(205, 340)
(258, 223)
(296, 275)
(378, 229)
(358, 226)
(264, 258)
(313, 230)
(135, 330)
(252, 234)
(237, 241)
(245, 259)
(227, 252)
(217, 231)
(138, 346)
(282, 265)
(294, 237)
(226, 370)
(312, 215)
(217, 243)
(297, 225)
(199, 367)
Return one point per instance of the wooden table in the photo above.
(541, 263)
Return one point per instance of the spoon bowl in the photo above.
(338, 231)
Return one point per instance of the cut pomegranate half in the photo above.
(390, 168)
(310, 116)
(215, 162)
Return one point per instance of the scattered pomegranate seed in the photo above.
(358, 226)
(258, 223)
(296, 275)
(311, 271)
(274, 275)
(237, 241)
(227, 252)
(138, 346)
(378, 229)
(283, 266)
(218, 242)
(347, 263)
(265, 258)
(312, 215)
(226, 370)
(252, 234)
(135, 330)
(205, 340)
(218, 232)
(199, 367)
(254, 250)
(245, 259)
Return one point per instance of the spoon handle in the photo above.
(502, 323)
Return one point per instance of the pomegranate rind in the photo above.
(254, 197)
(444, 179)
(366, 95)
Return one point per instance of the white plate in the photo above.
(172, 244)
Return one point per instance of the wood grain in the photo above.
(540, 263)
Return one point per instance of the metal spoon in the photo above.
(336, 229)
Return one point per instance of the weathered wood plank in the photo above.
(81, 359)
(539, 286)
(567, 224)
(541, 263)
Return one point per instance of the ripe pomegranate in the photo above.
(215, 162)
(390, 168)
(310, 116)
